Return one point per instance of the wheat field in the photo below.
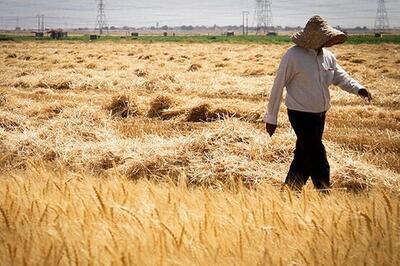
(121, 153)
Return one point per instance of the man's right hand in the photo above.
(365, 94)
(270, 129)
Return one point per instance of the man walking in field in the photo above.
(307, 70)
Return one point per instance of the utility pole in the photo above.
(101, 17)
(263, 15)
(43, 27)
(38, 23)
(247, 23)
(245, 20)
(381, 20)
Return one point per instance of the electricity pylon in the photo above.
(263, 15)
(101, 18)
(381, 20)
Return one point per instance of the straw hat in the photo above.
(318, 33)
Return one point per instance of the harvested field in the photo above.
(157, 154)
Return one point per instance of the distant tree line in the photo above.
(213, 28)
(194, 28)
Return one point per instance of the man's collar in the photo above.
(315, 52)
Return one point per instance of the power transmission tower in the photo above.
(381, 20)
(101, 17)
(40, 21)
(245, 20)
(263, 15)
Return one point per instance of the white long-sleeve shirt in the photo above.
(307, 77)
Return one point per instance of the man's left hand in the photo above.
(365, 94)
(270, 128)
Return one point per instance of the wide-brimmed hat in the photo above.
(317, 34)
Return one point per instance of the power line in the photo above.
(285, 13)
(381, 20)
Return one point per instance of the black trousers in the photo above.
(309, 155)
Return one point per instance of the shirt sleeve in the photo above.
(344, 81)
(283, 76)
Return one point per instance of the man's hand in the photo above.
(365, 94)
(270, 129)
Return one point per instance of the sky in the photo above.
(139, 13)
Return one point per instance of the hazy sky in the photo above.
(82, 13)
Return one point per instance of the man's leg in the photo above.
(299, 171)
(320, 169)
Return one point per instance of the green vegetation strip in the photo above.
(354, 39)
